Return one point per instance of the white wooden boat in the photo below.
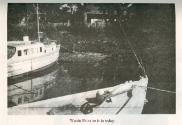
(121, 102)
(27, 56)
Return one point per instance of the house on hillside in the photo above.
(96, 18)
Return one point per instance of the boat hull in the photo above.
(120, 103)
(32, 74)
(32, 65)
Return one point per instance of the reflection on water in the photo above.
(66, 78)
(30, 90)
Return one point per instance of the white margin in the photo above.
(155, 119)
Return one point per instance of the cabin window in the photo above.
(19, 52)
(25, 51)
(40, 49)
(11, 51)
(45, 51)
(52, 48)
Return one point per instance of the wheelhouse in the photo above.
(29, 50)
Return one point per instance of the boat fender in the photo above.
(86, 108)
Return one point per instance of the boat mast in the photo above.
(38, 22)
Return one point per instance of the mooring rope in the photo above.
(140, 61)
(131, 47)
(162, 90)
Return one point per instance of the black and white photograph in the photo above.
(91, 58)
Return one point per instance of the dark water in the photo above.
(69, 78)
(160, 102)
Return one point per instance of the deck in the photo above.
(120, 104)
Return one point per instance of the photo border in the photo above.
(142, 119)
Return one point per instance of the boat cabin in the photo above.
(26, 48)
